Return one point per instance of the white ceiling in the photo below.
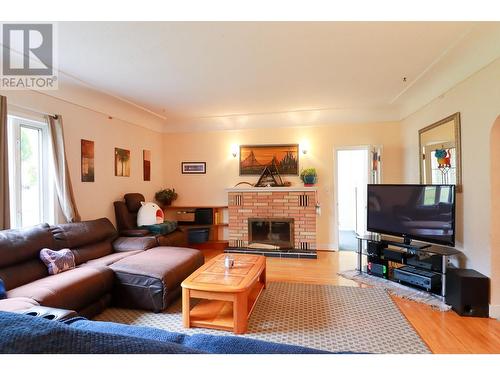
(183, 69)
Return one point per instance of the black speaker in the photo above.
(468, 292)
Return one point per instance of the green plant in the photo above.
(166, 196)
(308, 172)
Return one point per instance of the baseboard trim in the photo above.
(495, 311)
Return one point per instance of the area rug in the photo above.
(327, 317)
(397, 289)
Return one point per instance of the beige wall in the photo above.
(95, 199)
(477, 99)
(223, 172)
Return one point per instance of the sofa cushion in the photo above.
(151, 279)
(134, 243)
(87, 239)
(23, 273)
(17, 304)
(109, 259)
(57, 261)
(133, 201)
(134, 232)
(92, 251)
(72, 290)
(124, 219)
(177, 238)
(20, 245)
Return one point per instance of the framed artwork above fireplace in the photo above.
(254, 158)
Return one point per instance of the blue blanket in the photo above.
(32, 335)
(22, 334)
(207, 343)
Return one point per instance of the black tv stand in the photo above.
(413, 249)
(406, 240)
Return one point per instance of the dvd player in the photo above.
(431, 263)
(414, 276)
(394, 254)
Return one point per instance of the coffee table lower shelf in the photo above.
(220, 310)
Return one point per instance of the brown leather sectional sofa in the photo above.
(132, 272)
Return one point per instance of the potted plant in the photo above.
(166, 196)
(309, 176)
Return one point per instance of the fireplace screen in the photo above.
(277, 232)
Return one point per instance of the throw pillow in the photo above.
(3, 292)
(57, 261)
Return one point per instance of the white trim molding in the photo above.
(495, 312)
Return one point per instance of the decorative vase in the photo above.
(310, 180)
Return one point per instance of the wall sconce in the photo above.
(304, 147)
(234, 150)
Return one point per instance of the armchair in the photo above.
(126, 222)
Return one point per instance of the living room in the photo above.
(192, 109)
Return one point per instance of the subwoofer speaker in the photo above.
(468, 291)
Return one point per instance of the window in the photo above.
(31, 193)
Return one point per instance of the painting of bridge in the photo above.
(254, 158)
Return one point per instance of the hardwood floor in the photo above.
(443, 332)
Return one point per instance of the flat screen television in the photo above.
(414, 212)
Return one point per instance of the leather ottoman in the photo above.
(151, 280)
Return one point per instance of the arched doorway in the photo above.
(495, 214)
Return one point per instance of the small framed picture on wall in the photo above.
(87, 158)
(146, 164)
(193, 167)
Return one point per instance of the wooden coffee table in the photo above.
(229, 295)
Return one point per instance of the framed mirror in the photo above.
(440, 152)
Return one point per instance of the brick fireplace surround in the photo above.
(278, 202)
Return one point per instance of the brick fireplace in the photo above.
(274, 209)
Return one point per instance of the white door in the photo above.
(356, 167)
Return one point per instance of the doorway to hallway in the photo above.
(353, 174)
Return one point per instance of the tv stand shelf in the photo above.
(408, 250)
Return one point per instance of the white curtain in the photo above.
(4, 167)
(61, 172)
